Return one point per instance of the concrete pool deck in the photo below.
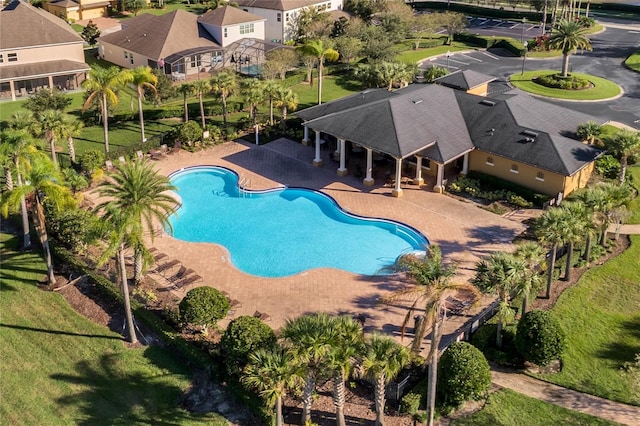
(463, 231)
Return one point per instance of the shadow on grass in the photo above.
(58, 332)
(621, 352)
(115, 390)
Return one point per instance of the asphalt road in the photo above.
(610, 48)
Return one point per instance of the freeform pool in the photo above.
(284, 231)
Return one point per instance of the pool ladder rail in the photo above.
(243, 186)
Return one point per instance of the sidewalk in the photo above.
(573, 400)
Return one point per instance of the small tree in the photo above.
(539, 337)
(589, 131)
(433, 72)
(135, 6)
(463, 374)
(47, 99)
(189, 132)
(203, 306)
(90, 33)
(244, 336)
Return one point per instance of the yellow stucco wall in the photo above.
(479, 90)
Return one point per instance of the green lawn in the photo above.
(601, 318)
(603, 89)
(633, 61)
(413, 56)
(508, 408)
(58, 368)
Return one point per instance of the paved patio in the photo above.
(463, 231)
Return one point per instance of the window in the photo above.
(126, 54)
(514, 168)
(195, 61)
(225, 32)
(246, 29)
(540, 176)
(131, 58)
(1, 59)
(286, 17)
(279, 18)
(490, 161)
(426, 163)
(12, 57)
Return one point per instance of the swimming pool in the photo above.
(284, 231)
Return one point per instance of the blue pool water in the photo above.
(282, 232)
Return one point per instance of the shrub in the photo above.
(410, 403)
(90, 161)
(463, 374)
(203, 306)
(608, 166)
(189, 132)
(539, 337)
(244, 335)
(70, 227)
(485, 340)
(557, 81)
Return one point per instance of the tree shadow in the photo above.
(59, 332)
(621, 352)
(113, 393)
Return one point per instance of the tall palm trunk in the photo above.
(224, 109)
(499, 328)
(105, 125)
(140, 113)
(284, 119)
(72, 149)
(52, 146)
(271, 111)
(565, 65)
(554, 16)
(569, 266)
(201, 109)
(587, 10)
(544, 18)
(41, 229)
(433, 369)
(603, 235)
(186, 107)
(125, 294)
(339, 397)
(279, 419)
(319, 81)
(587, 248)
(552, 267)
(254, 109)
(623, 170)
(525, 304)
(379, 399)
(307, 396)
(137, 266)
(24, 213)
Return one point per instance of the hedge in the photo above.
(511, 44)
(536, 198)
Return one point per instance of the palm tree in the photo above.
(589, 131)
(533, 256)
(25, 120)
(309, 338)
(623, 144)
(42, 182)
(568, 37)
(137, 198)
(271, 372)
(270, 89)
(103, 85)
(577, 220)
(185, 89)
(317, 50)
(253, 92)
(434, 286)
(15, 146)
(500, 274)
(346, 347)
(550, 230)
(201, 87)
(51, 123)
(143, 78)
(383, 360)
(615, 197)
(287, 100)
(70, 128)
(223, 84)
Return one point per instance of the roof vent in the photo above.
(530, 133)
(528, 140)
(487, 102)
(417, 101)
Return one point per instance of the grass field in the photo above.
(508, 408)
(601, 318)
(413, 56)
(59, 368)
(602, 88)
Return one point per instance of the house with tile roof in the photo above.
(49, 54)
(75, 10)
(281, 15)
(183, 44)
(447, 132)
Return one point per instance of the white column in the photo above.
(397, 191)
(418, 179)
(342, 171)
(438, 187)
(465, 164)
(305, 139)
(368, 180)
(50, 82)
(12, 87)
(317, 162)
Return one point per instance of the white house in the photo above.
(281, 14)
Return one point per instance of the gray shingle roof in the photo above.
(160, 36)
(441, 123)
(41, 69)
(403, 124)
(228, 15)
(24, 25)
(465, 80)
